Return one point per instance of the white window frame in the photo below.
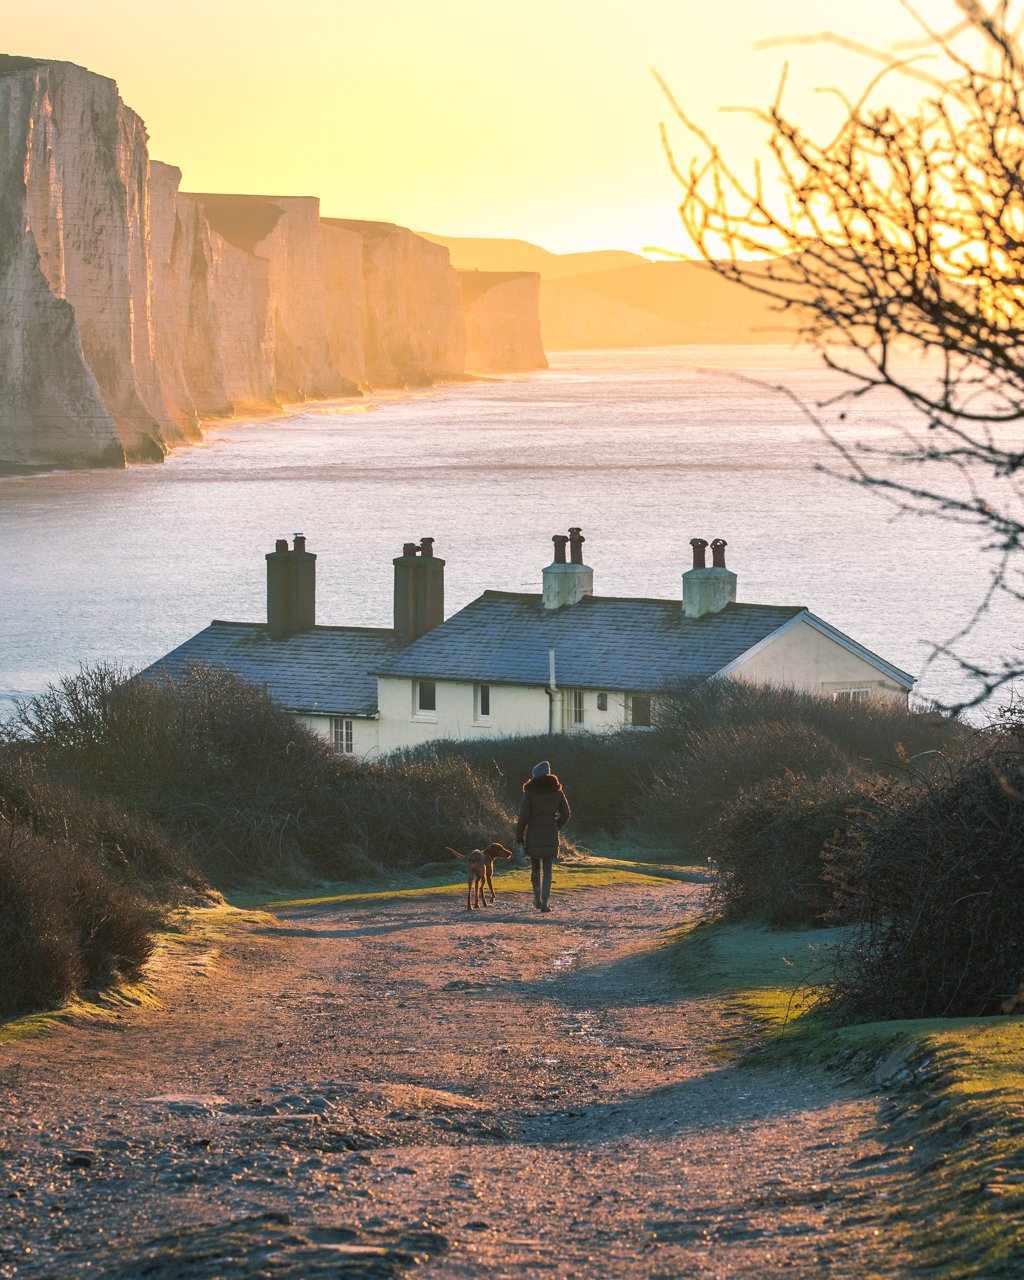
(419, 712)
(480, 716)
(863, 694)
(578, 708)
(343, 735)
(630, 703)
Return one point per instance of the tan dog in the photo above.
(479, 865)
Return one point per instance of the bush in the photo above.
(683, 800)
(64, 923)
(931, 877)
(603, 772)
(127, 844)
(249, 791)
(877, 735)
(768, 846)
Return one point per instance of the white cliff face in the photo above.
(85, 193)
(284, 232)
(51, 409)
(345, 293)
(130, 311)
(211, 311)
(414, 327)
(502, 321)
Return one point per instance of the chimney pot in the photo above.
(419, 591)
(560, 539)
(281, 544)
(718, 553)
(700, 547)
(300, 542)
(576, 541)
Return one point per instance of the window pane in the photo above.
(641, 706)
(485, 701)
(342, 735)
(427, 695)
(577, 706)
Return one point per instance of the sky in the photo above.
(535, 119)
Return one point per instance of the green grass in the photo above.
(958, 1084)
(568, 877)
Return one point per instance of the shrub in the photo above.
(878, 734)
(64, 923)
(603, 773)
(127, 844)
(681, 802)
(250, 792)
(931, 876)
(768, 847)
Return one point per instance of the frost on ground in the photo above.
(372, 1086)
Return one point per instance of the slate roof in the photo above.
(603, 642)
(326, 671)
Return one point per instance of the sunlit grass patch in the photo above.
(568, 878)
(957, 1084)
(770, 975)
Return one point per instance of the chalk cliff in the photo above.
(74, 259)
(284, 232)
(502, 321)
(414, 331)
(131, 311)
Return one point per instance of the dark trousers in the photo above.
(543, 886)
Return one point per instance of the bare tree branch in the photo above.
(896, 248)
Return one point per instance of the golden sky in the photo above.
(529, 118)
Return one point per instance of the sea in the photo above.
(643, 449)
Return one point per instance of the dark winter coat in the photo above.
(544, 812)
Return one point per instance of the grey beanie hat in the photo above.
(540, 770)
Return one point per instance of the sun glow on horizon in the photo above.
(531, 120)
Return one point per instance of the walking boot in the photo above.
(536, 900)
(544, 905)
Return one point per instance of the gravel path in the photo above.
(356, 1090)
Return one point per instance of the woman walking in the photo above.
(543, 814)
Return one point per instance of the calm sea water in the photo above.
(643, 449)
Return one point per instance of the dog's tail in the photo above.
(456, 852)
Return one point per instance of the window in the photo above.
(602, 702)
(852, 695)
(640, 711)
(577, 706)
(341, 735)
(482, 709)
(426, 697)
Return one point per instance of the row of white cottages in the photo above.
(560, 661)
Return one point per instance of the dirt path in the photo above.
(361, 1088)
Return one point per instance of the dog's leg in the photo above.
(490, 883)
(469, 890)
(481, 891)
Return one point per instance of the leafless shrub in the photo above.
(930, 877)
(64, 923)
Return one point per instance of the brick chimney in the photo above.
(567, 583)
(419, 591)
(291, 589)
(708, 590)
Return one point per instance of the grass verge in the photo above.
(955, 1086)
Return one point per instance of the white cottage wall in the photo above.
(800, 657)
(364, 732)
